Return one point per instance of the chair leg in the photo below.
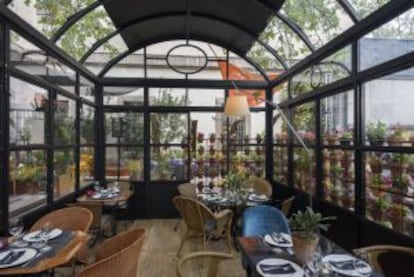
(182, 243)
(229, 242)
(177, 224)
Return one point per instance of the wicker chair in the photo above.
(261, 186)
(117, 256)
(73, 219)
(202, 222)
(121, 206)
(96, 209)
(286, 205)
(191, 262)
(390, 260)
(188, 190)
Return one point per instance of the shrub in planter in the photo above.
(376, 133)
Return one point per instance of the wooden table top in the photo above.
(123, 196)
(64, 256)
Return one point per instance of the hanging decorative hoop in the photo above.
(181, 69)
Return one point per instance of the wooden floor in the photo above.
(158, 257)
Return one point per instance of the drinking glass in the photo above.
(44, 235)
(360, 262)
(15, 227)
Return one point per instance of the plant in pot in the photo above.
(396, 138)
(398, 165)
(200, 137)
(331, 137)
(306, 226)
(212, 138)
(346, 138)
(376, 133)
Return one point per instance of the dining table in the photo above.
(63, 252)
(113, 202)
(255, 250)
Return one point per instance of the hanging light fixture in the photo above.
(236, 105)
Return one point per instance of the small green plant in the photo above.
(347, 135)
(400, 158)
(383, 204)
(376, 131)
(235, 181)
(309, 223)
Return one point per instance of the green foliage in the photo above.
(64, 129)
(76, 41)
(309, 223)
(87, 128)
(376, 131)
(235, 181)
(347, 135)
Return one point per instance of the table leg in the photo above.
(114, 221)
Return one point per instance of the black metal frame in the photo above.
(8, 20)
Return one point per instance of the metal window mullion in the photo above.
(77, 135)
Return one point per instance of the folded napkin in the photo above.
(279, 238)
(286, 268)
(343, 265)
(11, 257)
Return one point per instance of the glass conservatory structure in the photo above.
(97, 90)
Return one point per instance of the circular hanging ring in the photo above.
(182, 69)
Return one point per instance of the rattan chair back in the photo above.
(286, 205)
(261, 186)
(95, 208)
(194, 213)
(389, 260)
(201, 263)
(72, 218)
(187, 189)
(117, 256)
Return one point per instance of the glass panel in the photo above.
(93, 26)
(112, 163)
(280, 164)
(124, 128)
(28, 104)
(64, 175)
(87, 89)
(389, 193)
(87, 124)
(124, 163)
(304, 123)
(128, 96)
(186, 97)
(337, 119)
(303, 171)
(243, 70)
(169, 163)
(339, 177)
(388, 110)
(130, 66)
(131, 163)
(168, 128)
(106, 52)
(49, 15)
(27, 180)
(321, 20)
(30, 59)
(286, 42)
(390, 41)
(366, 7)
(64, 116)
(264, 59)
(329, 70)
(87, 165)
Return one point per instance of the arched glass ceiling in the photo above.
(300, 22)
(156, 56)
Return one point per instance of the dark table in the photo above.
(254, 249)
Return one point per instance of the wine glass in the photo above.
(15, 227)
(44, 235)
(361, 264)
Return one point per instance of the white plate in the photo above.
(32, 237)
(340, 258)
(29, 253)
(274, 261)
(257, 198)
(97, 196)
(268, 238)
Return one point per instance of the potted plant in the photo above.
(379, 207)
(200, 137)
(346, 138)
(396, 138)
(398, 165)
(331, 137)
(259, 138)
(246, 139)
(306, 227)
(376, 133)
(281, 138)
(200, 150)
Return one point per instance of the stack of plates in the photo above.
(274, 267)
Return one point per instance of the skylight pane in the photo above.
(366, 7)
(84, 33)
(321, 20)
(47, 16)
(106, 52)
(285, 41)
(262, 57)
